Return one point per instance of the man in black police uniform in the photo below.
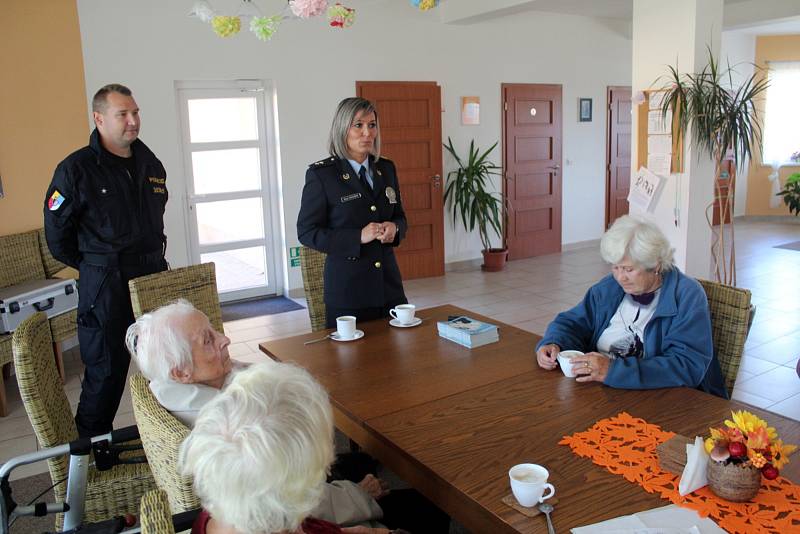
(104, 215)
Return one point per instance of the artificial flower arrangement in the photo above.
(747, 441)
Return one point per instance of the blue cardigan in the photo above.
(678, 349)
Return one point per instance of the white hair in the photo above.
(640, 240)
(156, 345)
(260, 450)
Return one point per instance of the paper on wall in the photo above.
(656, 99)
(659, 144)
(644, 188)
(656, 124)
(659, 163)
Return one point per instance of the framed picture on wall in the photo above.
(585, 109)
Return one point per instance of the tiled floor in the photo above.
(528, 293)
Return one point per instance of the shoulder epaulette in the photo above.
(323, 162)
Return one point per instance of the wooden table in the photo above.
(451, 421)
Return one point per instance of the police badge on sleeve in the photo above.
(55, 201)
(391, 194)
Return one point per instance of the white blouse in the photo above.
(624, 335)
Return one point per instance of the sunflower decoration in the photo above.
(748, 440)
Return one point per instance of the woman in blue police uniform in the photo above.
(351, 210)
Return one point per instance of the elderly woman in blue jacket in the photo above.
(644, 326)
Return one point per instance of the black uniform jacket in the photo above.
(93, 205)
(334, 208)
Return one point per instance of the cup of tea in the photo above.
(528, 483)
(346, 327)
(565, 361)
(403, 313)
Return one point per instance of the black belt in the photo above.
(113, 259)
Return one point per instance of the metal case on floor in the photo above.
(18, 302)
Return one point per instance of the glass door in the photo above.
(229, 206)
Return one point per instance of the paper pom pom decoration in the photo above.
(340, 16)
(424, 5)
(264, 27)
(202, 10)
(226, 26)
(307, 8)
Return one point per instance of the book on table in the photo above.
(468, 332)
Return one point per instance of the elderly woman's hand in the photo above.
(371, 232)
(546, 356)
(592, 366)
(375, 487)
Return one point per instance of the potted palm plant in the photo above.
(724, 124)
(472, 201)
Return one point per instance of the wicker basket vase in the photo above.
(733, 482)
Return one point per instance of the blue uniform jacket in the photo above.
(678, 348)
(335, 206)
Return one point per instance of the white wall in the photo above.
(739, 49)
(149, 44)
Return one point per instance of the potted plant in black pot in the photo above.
(470, 197)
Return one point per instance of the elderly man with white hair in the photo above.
(644, 326)
(188, 365)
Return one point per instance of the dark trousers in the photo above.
(361, 314)
(408, 510)
(104, 315)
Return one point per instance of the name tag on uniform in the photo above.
(348, 198)
(391, 195)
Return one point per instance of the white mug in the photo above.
(565, 361)
(346, 326)
(403, 313)
(528, 482)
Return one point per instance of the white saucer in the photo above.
(398, 324)
(357, 335)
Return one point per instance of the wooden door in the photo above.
(411, 136)
(532, 165)
(618, 153)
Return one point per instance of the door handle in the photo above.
(555, 167)
(437, 181)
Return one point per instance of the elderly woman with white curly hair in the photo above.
(259, 453)
(644, 326)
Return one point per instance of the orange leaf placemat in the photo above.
(626, 446)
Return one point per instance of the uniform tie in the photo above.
(362, 173)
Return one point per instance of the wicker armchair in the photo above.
(312, 264)
(196, 283)
(109, 493)
(155, 516)
(25, 257)
(162, 436)
(731, 317)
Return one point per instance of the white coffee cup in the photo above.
(528, 482)
(565, 361)
(403, 313)
(346, 326)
